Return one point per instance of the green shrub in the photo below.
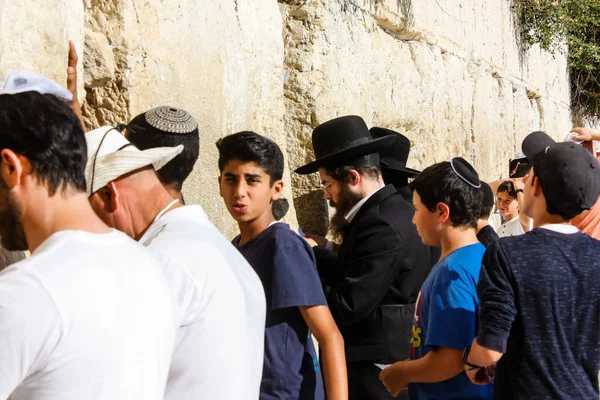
(572, 27)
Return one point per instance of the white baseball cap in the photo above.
(27, 81)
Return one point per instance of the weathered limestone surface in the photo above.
(220, 60)
(449, 74)
(34, 35)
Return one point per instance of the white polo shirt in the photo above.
(87, 316)
(219, 348)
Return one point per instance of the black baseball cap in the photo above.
(519, 166)
(568, 173)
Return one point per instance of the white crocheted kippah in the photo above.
(171, 119)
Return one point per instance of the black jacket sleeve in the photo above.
(376, 256)
(497, 299)
(325, 262)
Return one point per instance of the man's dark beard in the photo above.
(338, 223)
(12, 234)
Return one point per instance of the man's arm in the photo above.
(497, 309)
(72, 82)
(323, 327)
(585, 134)
(368, 272)
(438, 365)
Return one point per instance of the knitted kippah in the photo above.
(171, 119)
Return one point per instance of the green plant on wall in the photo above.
(572, 27)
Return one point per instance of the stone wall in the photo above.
(448, 74)
(444, 72)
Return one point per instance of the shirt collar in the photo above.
(354, 210)
(561, 228)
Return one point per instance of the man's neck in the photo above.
(175, 194)
(147, 206)
(547, 219)
(456, 238)
(249, 230)
(61, 212)
(370, 186)
(481, 223)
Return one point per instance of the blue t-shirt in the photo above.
(286, 266)
(446, 316)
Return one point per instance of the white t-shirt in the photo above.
(87, 316)
(512, 228)
(219, 349)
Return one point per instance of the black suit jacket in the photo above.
(373, 283)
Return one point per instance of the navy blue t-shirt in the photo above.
(446, 316)
(286, 266)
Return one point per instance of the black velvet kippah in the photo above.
(465, 171)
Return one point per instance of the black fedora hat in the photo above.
(394, 157)
(344, 141)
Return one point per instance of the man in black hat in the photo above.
(392, 161)
(539, 292)
(373, 283)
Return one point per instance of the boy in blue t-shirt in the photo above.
(251, 168)
(447, 198)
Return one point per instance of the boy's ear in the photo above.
(537, 188)
(277, 189)
(443, 212)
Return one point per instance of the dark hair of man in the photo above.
(248, 146)
(440, 184)
(176, 171)
(508, 187)
(341, 174)
(45, 130)
(485, 211)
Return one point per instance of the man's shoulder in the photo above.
(281, 235)
(463, 261)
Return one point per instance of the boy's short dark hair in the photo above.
(249, 146)
(508, 187)
(342, 173)
(145, 136)
(439, 183)
(487, 201)
(43, 128)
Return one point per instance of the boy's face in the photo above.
(247, 191)
(427, 222)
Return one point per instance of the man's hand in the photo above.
(394, 379)
(584, 134)
(316, 239)
(311, 242)
(481, 376)
(517, 183)
(72, 82)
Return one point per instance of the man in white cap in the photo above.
(89, 314)
(220, 300)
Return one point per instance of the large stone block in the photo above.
(34, 36)
(219, 60)
(449, 75)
